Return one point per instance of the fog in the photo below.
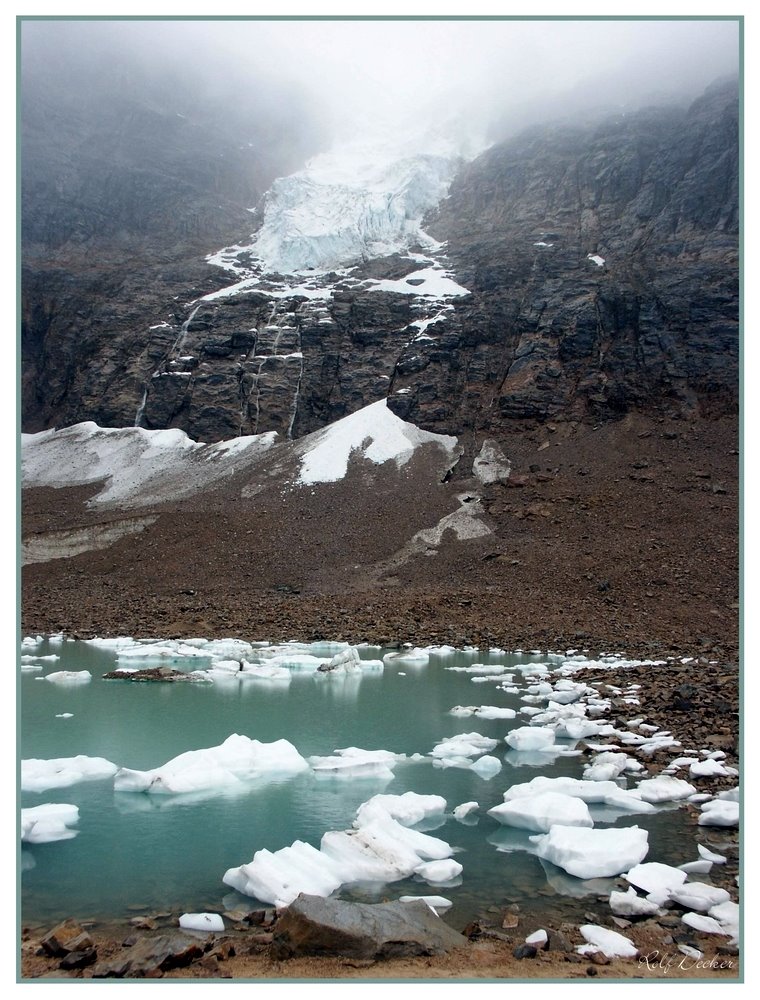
(496, 76)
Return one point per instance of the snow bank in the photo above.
(237, 760)
(374, 432)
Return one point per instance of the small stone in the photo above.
(510, 921)
(599, 958)
(66, 937)
(79, 959)
(525, 951)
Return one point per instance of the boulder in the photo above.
(66, 937)
(150, 955)
(315, 926)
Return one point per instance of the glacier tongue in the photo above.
(342, 209)
(364, 198)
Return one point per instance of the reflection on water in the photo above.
(169, 852)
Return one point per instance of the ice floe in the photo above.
(606, 792)
(380, 847)
(69, 677)
(664, 788)
(407, 658)
(437, 903)
(41, 775)
(699, 896)
(656, 879)
(630, 904)
(540, 812)
(483, 711)
(530, 738)
(439, 872)
(591, 853)
(719, 812)
(236, 761)
(353, 762)
(49, 822)
(464, 810)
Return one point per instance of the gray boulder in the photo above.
(315, 926)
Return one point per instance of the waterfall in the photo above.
(141, 407)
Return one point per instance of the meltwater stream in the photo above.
(137, 853)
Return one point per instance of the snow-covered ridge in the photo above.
(141, 466)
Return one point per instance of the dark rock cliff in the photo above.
(113, 263)
(551, 332)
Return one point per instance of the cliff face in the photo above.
(132, 171)
(601, 261)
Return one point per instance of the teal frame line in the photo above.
(739, 20)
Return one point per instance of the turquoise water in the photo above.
(136, 852)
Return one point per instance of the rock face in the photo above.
(601, 260)
(603, 266)
(315, 926)
(135, 166)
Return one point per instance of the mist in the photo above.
(491, 76)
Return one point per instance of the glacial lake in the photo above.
(138, 853)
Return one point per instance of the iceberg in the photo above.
(237, 760)
(541, 812)
(60, 772)
(49, 822)
(380, 847)
(592, 853)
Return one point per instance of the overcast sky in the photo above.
(506, 69)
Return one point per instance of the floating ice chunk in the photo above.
(465, 809)
(70, 677)
(352, 762)
(280, 876)
(65, 715)
(31, 667)
(701, 867)
(40, 659)
(439, 871)
(486, 767)
(201, 922)
(32, 641)
(236, 760)
(705, 924)
(539, 813)
(463, 745)
(407, 658)
(610, 943)
(592, 853)
(630, 904)
(162, 652)
(656, 879)
(480, 668)
(699, 896)
(664, 788)
(727, 914)
(437, 903)
(48, 822)
(729, 794)
(60, 772)
(483, 711)
(347, 661)
(710, 768)
(530, 738)
(590, 791)
(719, 812)
(708, 855)
(112, 643)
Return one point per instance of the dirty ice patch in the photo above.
(41, 775)
(223, 768)
(373, 432)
